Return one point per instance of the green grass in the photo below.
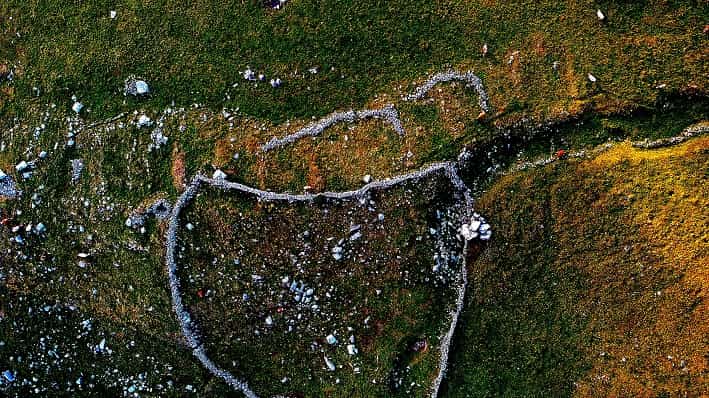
(194, 52)
(516, 345)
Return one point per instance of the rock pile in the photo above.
(475, 228)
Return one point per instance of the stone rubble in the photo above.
(77, 166)
(135, 87)
(8, 189)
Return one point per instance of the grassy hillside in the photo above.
(193, 52)
(595, 284)
(564, 300)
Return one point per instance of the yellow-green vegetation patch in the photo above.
(595, 284)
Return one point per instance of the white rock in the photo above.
(189, 226)
(592, 78)
(219, 175)
(269, 320)
(351, 349)
(330, 364)
(367, 179)
(112, 14)
(141, 87)
(144, 121)
(249, 74)
(77, 107)
(337, 252)
(21, 166)
(332, 340)
(601, 16)
(475, 225)
(40, 228)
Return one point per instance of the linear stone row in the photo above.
(689, 132)
(471, 80)
(694, 130)
(389, 114)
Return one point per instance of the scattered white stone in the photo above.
(269, 321)
(337, 252)
(40, 228)
(601, 16)
(275, 83)
(112, 14)
(330, 364)
(219, 175)
(351, 349)
(77, 166)
(77, 107)
(158, 139)
(141, 87)
(249, 74)
(144, 121)
(332, 340)
(592, 78)
(367, 179)
(477, 227)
